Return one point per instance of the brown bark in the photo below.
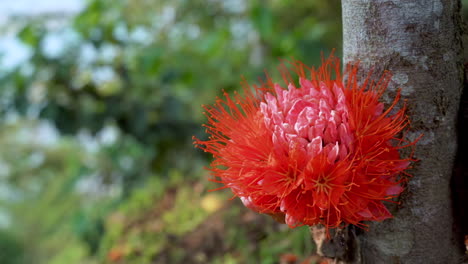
(420, 43)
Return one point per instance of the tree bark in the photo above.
(420, 43)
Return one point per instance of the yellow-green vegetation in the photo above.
(185, 224)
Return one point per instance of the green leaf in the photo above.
(31, 35)
(262, 18)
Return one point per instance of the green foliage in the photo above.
(121, 182)
(11, 250)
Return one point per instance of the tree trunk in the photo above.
(420, 43)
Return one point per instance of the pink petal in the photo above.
(314, 147)
(333, 154)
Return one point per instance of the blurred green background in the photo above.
(96, 161)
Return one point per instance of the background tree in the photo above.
(96, 126)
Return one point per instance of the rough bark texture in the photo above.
(420, 43)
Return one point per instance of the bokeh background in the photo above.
(99, 100)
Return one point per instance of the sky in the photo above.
(11, 50)
(23, 7)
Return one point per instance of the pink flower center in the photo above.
(311, 118)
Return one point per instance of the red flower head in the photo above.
(325, 152)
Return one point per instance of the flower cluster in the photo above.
(323, 151)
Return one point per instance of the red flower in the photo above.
(325, 152)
